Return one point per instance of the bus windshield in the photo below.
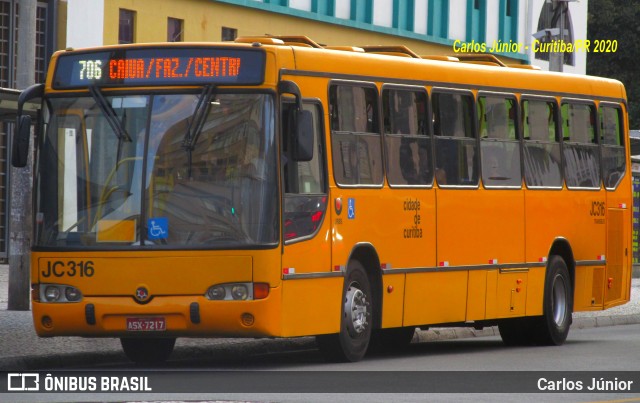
(182, 171)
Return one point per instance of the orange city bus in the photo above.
(274, 187)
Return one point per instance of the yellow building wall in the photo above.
(204, 19)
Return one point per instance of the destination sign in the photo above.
(159, 67)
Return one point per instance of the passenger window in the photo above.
(408, 145)
(613, 155)
(581, 151)
(456, 146)
(305, 198)
(541, 144)
(355, 136)
(499, 144)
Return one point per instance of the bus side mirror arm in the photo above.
(22, 133)
(299, 125)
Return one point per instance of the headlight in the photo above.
(240, 292)
(72, 294)
(51, 293)
(230, 292)
(217, 292)
(58, 293)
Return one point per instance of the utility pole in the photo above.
(21, 178)
(556, 59)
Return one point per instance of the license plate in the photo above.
(155, 324)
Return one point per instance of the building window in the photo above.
(476, 20)
(324, 7)
(284, 3)
(127, 26)
(438, 18)
(403, 14)
(9, 11)
(41, 40)
(5, 43)
(229, 34)
(362, 11)
(175, 29)
(508, 26)
(510, 11)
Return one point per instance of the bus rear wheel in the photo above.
(147, 350)
(351, 343)
(552, 328)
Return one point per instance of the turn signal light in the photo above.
(260, 290)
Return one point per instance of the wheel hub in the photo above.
(559, 301)
(356, 310)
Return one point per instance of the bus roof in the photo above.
(401, 65)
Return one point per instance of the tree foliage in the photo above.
(617, 20)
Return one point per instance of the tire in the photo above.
(352, 342)
(389, 340)
(517, 331)
(552, 328)
(148, 350)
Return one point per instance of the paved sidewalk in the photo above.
(621, 315)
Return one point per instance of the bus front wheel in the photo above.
(147, 350)
(351, 343)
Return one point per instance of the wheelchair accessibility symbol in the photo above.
(351, 208)
(158, 228)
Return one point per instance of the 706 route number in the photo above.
(58, 268)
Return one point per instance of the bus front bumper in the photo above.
(163, 316)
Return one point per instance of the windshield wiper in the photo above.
(110, 114)
(197, 123)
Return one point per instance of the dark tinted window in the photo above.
(499, 144)
(541, 144)
(581, 151)
(456, 146)
(613, 154)
(408, 147)
(355, 136)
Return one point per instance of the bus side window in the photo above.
(305, 198)
(408, 145)
(456, 146)
(541, 146)
(499, 144)
(580, 147)
(612, 142)
(355, 136)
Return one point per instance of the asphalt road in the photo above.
(20, 348)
